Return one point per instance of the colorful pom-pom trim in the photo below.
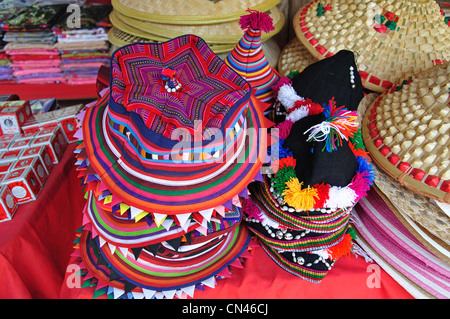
(341, 125)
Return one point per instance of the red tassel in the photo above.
(344, 247)
(322, 195)
(257, 21)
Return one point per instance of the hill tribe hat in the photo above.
(406, 130)
(167, 153)
(248, 58)
(300, 212)
(226, 33)
(192, 12)
(392, 39)
(216, 22)
(294, 58)
(392, 244)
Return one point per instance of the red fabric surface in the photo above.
(261, 278)
(35, 246)
(35, 261)
(60, 91)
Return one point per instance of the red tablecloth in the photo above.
(35, 250)
(35, 246)
(261, 278)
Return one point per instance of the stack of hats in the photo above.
(406, 130)
(392, 39)
(167, 153)
(319, 170)
(214, 21)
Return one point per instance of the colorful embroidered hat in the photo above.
(406, 131)
(392, 39)
(248, 58)
(168, 150)
(319, 172)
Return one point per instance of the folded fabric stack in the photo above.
(406, 131)
(168, 151)
(85, 49)
(393, 39)
(6, 72)
(30, 44)
(214, 21)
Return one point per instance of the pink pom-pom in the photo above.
(284, 128)
(251, 210)
(360, 184)
(257, 21)
(282, 81)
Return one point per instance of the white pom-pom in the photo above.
(340, 197)
(298, 114)
(287, 96)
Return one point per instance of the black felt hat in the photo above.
(336, 76)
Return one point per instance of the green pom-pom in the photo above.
(283, 175)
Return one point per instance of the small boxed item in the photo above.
(36, 164)
(55, 143)
(43, 105)
(20, 144)
(10, 155)
(13, 115)
(8, 204)
(41, 152)
(24, 184)
(5, 167)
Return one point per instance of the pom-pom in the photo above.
(340, 197)
(282, 177)
(287, 96)
(257, 21)
(360, 184)
(364, 165)
(322, 194)
(251, 210)
(298, 113)
(295, 196)
(284, 128)
(343, 248)
(282, 81)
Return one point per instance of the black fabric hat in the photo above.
(331, 77)
(315, 166)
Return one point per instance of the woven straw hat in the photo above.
(294, 57)
(392, 39)
(192, 12)
(215, 33)
(423, 218)
(406, 130)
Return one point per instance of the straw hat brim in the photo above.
(193, 12)
(226, 33)
(294, 57)
(383, 59)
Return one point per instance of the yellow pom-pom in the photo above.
(297, 197)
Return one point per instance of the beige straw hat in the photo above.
(407, 132)
(189, 12)
(224, 33)
(426, 221)
(294, 57)
(392, 39)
